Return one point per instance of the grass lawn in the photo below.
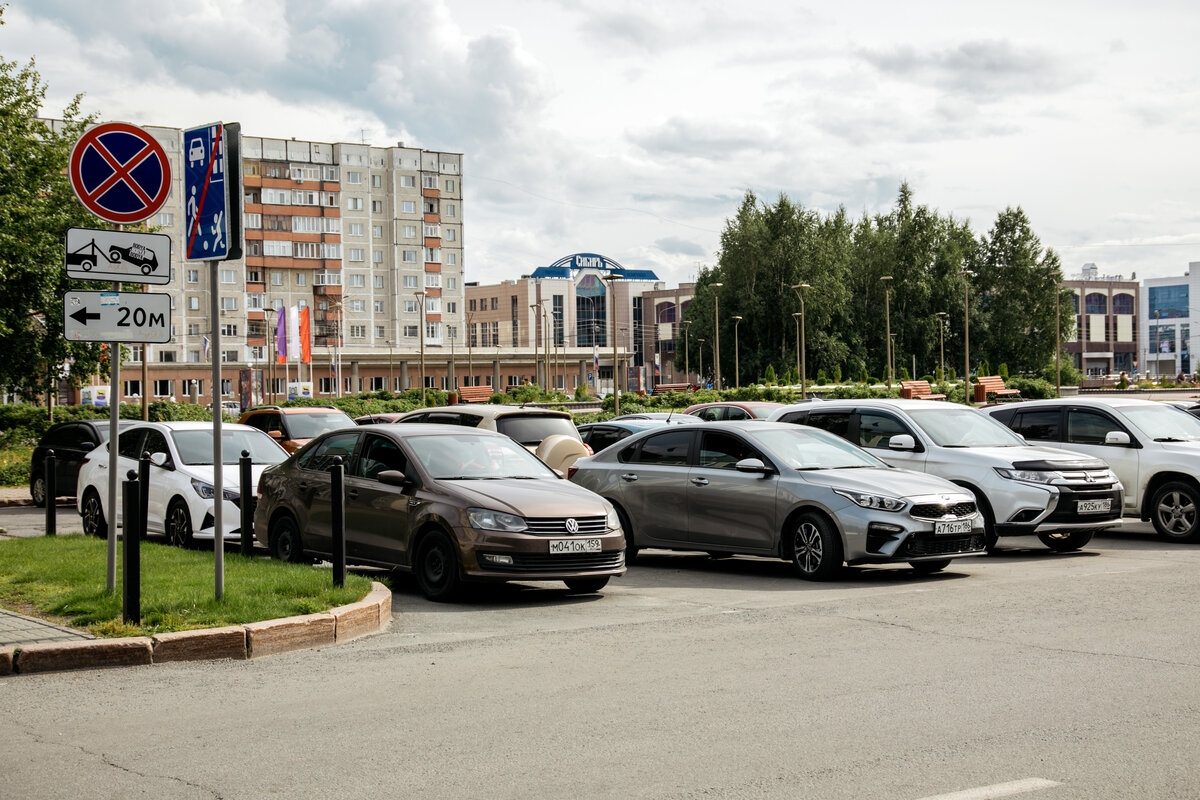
(63, 578)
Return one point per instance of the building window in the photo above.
(357, 280)
(354, 204)
(376, 181)
(354, 229)
(450, 209)
(410, 331)
(1096, 303)
(229, 330)
(451, 282)
(450, 235)
(408, 207)
(379, 333)
(409, 256)
(378, 306)
(377, 206)
(193, 303)
(449, 184)
(301, 279)
(251, 221)
(193, 276)
(165, 219)
(228, 276)
(353, 177)
(378, 281)
(132, 388)
(377, 256)
(229, 304)
(229, 356)
(358, 331)
(354, 254)
(376, 231)
(452, 259)
(410, 306)
(164, 388)
(408, 181)
(433, 279)
(410, 281)
(408, 231)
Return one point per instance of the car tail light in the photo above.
(571, 470)
(589, 449)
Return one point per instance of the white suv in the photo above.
(1153, 447)
(1061, 497)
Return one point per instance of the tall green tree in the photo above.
(38, 207)
(1014, 289)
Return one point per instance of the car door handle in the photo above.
(629, 476)
(352, 494)
(700, 481)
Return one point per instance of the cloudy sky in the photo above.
(633, 129)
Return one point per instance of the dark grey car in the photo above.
(787, 491)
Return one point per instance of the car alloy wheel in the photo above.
(1176, 512)
(179, 525)
(93, 516)
(37, 490)
(816, 548)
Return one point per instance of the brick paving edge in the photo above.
(372, 614)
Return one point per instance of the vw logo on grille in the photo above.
(572, 525)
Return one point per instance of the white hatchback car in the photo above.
(180, 502)
(1153, 447)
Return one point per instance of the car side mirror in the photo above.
(393, 477)
(161, 460)
(902, 441)
(753, 465)
(275, 434)
(1116, 437)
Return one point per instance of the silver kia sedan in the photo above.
(780, 490)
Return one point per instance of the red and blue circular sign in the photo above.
(120, 172)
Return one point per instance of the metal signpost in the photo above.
(121, 174)
(212, 214)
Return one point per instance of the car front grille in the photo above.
(555, 563)
(941, 510)
(930, 545)
(1089, 479)
(557, 526)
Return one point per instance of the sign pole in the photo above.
(114, 373)
(218, 461)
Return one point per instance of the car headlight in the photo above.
(876, 501)
(612, 522)
(1028, 475)
(488, 520)
(205, 490)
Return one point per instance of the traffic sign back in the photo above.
(120, 172)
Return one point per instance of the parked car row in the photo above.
(475, 493)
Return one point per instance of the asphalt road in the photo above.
(1032, 673)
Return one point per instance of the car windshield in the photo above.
(453, 456)
(310, 426)
(808, 448)
(196, 447)
(1163, 423)
(950, 426)
(531, 429)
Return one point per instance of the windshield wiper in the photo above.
(1171, 439)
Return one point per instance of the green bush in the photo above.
(14, 466)
(769, 375)
(1032, 388)
(859, 392)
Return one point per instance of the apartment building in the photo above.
(1105, 340)
(369, 239)
(1166, 323)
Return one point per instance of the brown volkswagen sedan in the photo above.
(449, 505)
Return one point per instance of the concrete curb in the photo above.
(253, 640)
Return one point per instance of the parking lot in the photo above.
(1027, 673)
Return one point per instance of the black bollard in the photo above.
(144, 480)
(51, 490)
(248, 499)
(338, 500)
(131, 582)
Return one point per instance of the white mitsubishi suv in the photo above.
(1154, 448)
(1063, 498)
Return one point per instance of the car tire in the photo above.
(586, 585)
(1175, 511)
(815, 548)
(436, 568)
(631, 550)
(286, 543)
(929, 567)
(37, 490)
(92, 514)
(178, 524)
(1066, 541)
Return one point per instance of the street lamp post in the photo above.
(421, 339)
(700, 366)
(717, 335)
(1057, 347)
(796, 319)
(1157, 342)
(470, 351)
(533, 334)
(737, 372)
(967, 275)
(687, 370)
(612, 308)
(941, 318)
(799, 290)
(887, 316)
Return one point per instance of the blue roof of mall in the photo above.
(565, 272)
